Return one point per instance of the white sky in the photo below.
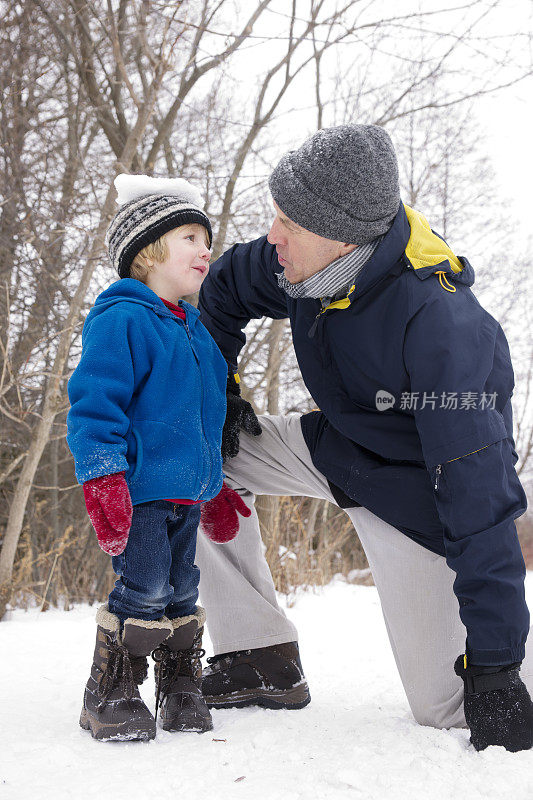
(508, 121)
(505, 118)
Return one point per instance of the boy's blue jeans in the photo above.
(157, 573)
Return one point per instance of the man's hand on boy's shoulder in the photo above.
(110, 510)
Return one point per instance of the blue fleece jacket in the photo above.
(148, 396)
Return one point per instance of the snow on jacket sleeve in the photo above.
(100, 390)
(454, 348)
(241, 285)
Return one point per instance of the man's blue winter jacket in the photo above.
(413, 379)
(148, 397)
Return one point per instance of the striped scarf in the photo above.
(334, 279)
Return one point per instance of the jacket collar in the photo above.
(428, 254)
(409, 243)
(387, 257)
(133, 291)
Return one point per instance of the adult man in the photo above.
(413, 438)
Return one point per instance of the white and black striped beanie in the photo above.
(149, 208)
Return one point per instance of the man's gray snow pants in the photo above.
(415, 586)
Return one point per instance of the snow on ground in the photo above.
(357, 738)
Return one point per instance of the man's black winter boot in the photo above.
(498, 708)
(271, 677)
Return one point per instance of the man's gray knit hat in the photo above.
(342, 183)
(150, 207)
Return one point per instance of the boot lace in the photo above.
(172, 663)
(223, 660)
(121, 670)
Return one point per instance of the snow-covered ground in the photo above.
(357, 738)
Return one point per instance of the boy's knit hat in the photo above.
(342, 183)
(150, 207)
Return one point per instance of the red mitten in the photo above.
(219, 518)
(109, 507)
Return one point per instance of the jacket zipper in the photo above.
(438, 468)
(312, 330)
(201, 410)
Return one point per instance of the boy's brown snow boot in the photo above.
(112, 705)
(178, 677)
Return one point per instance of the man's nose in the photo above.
(274, 236)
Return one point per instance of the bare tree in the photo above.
(90, 89)
(87, 49)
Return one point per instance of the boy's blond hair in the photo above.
(155, 251)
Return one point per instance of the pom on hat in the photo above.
(149, 208)
(132, 187)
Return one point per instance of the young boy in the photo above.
(145, 424)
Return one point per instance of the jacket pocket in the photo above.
(138, 458)
(168, 456)
(437, 471)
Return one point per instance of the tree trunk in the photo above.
(268, 506)
(53, 403)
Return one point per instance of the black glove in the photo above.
(239, 416)
(498, 708)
